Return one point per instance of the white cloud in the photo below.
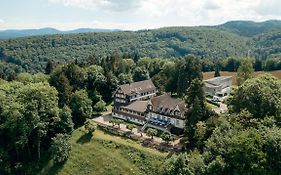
(2, 21)
(72, 25)
(183, 12)
(141, 14)
(80, 3)
(114, 5)
(271, 7)
(204, 12)
(211, 5)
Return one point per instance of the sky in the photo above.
(131, 14)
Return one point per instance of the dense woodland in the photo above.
(244, 141)
(212, 44)
(39, 111)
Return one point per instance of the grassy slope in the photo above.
(208, 75)
(107, 154)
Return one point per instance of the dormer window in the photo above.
(149, 106)
(177, 111)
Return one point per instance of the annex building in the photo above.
(218, 86)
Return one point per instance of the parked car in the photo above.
(216, 99)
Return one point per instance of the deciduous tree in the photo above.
(260, 96)
(60, 148)
(90, 126)
(151, 132)
(81, 107)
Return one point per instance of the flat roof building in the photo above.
(218, 86)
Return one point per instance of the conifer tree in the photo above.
(217, 72)
(245, 71)
(49, 67)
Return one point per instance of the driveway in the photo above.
(222, 109)
(104, 119)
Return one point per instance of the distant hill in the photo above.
(243, 28)
(232, 39)
(8, 34)
(251, 28)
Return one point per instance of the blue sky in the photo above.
(131, 14)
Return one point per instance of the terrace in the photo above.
(158, 124)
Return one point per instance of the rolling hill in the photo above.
(251, 28)
(9, 34)
(232, 39)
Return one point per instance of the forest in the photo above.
(40, 111)
(50, 86)
(212, 44)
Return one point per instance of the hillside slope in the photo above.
(229, 40)
(31, 54)
(9, 34)
(251, 28)
(106, 154)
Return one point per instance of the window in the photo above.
(149, 107)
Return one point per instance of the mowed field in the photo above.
(106, 154)
(208, 75)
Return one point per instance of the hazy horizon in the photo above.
(131, 14)
(116, 29)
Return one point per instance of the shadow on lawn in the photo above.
(86, 138)
(55, 169)
(47, 166)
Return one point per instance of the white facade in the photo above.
(218, 86)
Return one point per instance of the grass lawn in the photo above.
(211, 106)
(107, 154)
(109, 107)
